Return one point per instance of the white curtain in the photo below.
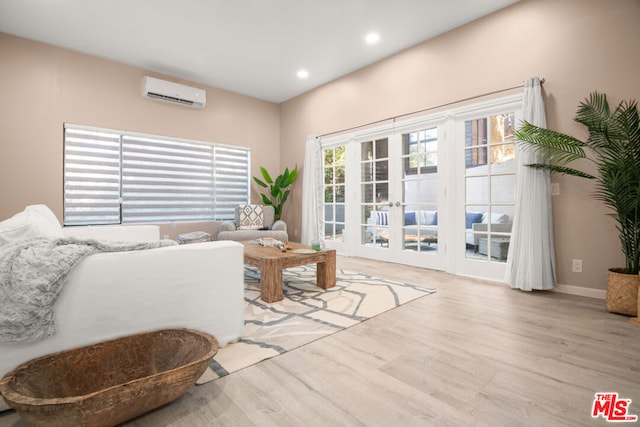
(531, 257)
(312, 191)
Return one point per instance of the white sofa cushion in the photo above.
(429, 217)
(34, 221)
(425, 217)
(496, 218)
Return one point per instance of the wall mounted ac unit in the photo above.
(173, 92)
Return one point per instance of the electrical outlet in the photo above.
(576, 265)
(295, 233)
(555, 189)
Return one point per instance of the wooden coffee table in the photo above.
(271, 261)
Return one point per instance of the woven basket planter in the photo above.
(636, 320)
(622, 292)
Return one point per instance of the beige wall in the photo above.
(43, 87)
(577, 45)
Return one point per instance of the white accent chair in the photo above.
(276, 229)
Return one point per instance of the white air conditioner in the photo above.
(173, 92)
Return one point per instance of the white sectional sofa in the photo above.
(113, 294)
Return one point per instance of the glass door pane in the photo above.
(420, 191)
(374, 180)
(490, 182)
(334, 193)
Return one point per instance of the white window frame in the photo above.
(334, 211)
(118, 177)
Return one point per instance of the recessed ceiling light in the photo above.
(303, 74)
(372, 38)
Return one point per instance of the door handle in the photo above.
(398, 203)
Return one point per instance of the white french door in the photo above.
(485, 189)
(399, 193)
(436, 191)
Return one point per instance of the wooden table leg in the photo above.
(271, 280)
(326, 271)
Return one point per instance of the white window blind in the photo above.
(231, 168)
(91, 177)
(157, 179)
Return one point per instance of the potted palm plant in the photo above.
(278, 189)
(613, 145)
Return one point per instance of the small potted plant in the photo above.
(613, 146)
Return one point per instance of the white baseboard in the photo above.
(560, 288)
(581, 291)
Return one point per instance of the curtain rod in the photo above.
(428, 109)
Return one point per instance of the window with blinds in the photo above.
(113, 177)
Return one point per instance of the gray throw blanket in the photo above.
(32, 274)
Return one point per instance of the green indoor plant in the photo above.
(613, 146)
(278, 189)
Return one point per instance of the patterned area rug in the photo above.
(306, 314)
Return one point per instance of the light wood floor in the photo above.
(473, 353)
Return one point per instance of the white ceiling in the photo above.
(252, 47)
